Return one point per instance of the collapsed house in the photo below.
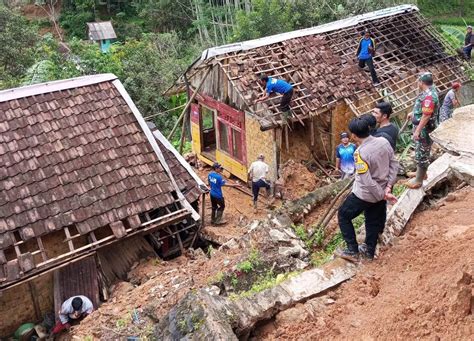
(87, 190)
(329, 88)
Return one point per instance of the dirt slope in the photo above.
(422, 288)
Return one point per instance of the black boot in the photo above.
(219, 219)
(213, 217)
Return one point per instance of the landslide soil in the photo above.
(421, 288)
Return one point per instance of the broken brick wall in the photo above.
(341, 115)
(302, 146)
(17, 305)
(260, 142)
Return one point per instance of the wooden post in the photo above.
(203, 219)
(188, 104)
(311, 129)
(34, 298)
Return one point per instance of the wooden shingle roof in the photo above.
(74, 154)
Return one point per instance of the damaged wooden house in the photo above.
(329, 88)
(88, 188)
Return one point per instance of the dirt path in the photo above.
(422, 288)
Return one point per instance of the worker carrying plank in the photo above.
(365, 53)
(424, 118)
(279, 86)
(73, 309)
(376, 173)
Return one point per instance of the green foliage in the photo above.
(265, 281)
(398, 189)
(252, 261)
(454, 35)
(317, 238)
(167, 16)
(245, 266)
(217, 278)
(266, 18)
(74, 22)
(17, 42)
(436, 8)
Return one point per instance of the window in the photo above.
(236, 144)
(223, 137)
(207, 118)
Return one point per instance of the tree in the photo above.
(17, 42)
(267, 17)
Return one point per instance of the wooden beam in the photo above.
(188, 104)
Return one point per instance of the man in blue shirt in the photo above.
(279, 86)
(365, 52)
(216, 182)
(345, 157)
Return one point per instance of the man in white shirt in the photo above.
(73, 308)
(258, 174)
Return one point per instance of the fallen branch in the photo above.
(331, 209)
(297, 209)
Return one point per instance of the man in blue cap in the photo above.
(216, 182)
(424, 118)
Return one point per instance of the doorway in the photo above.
(208, 132)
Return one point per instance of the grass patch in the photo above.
(264, 282)
(321, 257)
(398, 189)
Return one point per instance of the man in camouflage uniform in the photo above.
(424, 122)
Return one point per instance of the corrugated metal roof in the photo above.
(101, 30)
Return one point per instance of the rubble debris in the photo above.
(203, 316)
(297, 180)
(420, 289)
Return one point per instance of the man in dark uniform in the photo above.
(424, 117)
(468, 43)
(376, 173)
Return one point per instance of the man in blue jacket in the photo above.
(365, 52)
(216, 182)
(279, 86)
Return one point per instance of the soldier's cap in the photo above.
(217, 165)
(344, 135)
(426, 77)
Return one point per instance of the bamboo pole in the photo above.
(187, 105)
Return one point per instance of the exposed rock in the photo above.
(230, 245)
(296, 250)
(278, 236)
(296, 314)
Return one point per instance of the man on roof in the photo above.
(73, 309)
(365, 53)
(278, 86)
(424, 118)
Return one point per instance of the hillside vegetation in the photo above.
(157, 39)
